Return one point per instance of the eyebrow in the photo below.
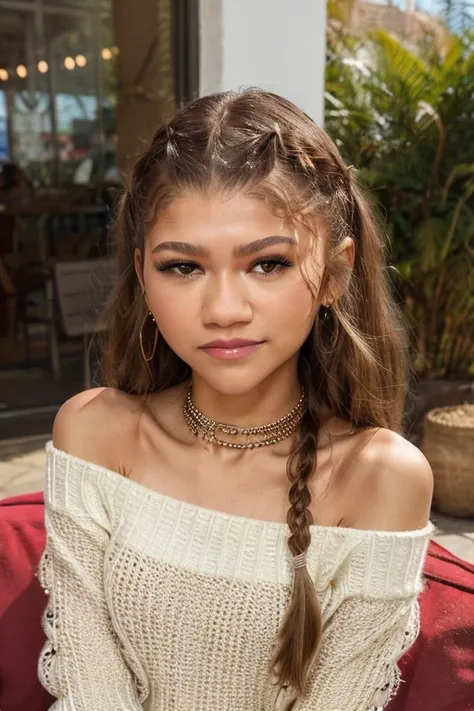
(196, 250)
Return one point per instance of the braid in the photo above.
(301, 631)
(172, 153)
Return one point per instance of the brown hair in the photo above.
(355, 360)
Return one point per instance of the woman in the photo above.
(255, 356)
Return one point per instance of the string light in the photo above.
(70, 63)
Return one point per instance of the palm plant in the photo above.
(407, 121)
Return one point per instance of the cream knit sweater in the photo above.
(162, 605)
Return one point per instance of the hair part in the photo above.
(355, 360)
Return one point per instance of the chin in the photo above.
(233, 381)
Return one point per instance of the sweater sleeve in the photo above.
(371, 617)
(83, 664)
(356, 668)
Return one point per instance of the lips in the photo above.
(234, 349)
(232, 343)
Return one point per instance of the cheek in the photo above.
(175, 310)
(172, 308)
(293, 307)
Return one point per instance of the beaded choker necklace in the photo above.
(261, 436)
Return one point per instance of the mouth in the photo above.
(232, 349)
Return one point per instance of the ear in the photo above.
(346, 251)
(345, 255)
(138, 262)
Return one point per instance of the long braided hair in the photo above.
(354, 362)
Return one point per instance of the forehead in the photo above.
(203, 219)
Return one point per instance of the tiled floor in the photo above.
(456, 534)
(22, 471)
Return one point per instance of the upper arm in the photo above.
(98, 425)
(396, 485)
(77, 420)
(69, 418)
(82, 663)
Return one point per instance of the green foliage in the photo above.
(406, 119)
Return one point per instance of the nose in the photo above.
(226, 302)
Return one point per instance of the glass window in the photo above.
(58, 91)
(24, 102)
(72, 67)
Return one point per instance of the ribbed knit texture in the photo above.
(162, 605)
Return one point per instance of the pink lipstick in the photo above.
(231, 350)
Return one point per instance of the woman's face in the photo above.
(224, 279)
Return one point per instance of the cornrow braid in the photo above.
(263, 147)
(172, 153)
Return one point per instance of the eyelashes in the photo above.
(276, 263)
(186, 269)
(172, 266)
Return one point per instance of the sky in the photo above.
(431, 6)
(428, 5)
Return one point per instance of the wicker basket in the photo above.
(448, 444)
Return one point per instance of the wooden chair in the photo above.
(82, 289)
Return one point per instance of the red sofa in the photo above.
(438, 671)
(22, 601)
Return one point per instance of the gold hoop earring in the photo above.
(155, 338)
(324, 312)
(329, 329)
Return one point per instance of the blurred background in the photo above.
(85, 83)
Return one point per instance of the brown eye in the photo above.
(178, 268)
(186, 269)
(268, 267)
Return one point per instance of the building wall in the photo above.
(409, 25)
(275, 44)
(210, 46)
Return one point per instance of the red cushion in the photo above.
(438, 671)
(22, 601)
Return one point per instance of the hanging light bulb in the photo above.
(106, 54)
(69, 63)
(81, 61)
(3, 75)
(43, 66)
(22, 71)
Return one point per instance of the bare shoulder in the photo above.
(393, 483)
(90, 424)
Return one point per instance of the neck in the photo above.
(266, 402)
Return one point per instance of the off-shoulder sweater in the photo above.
(158, 604)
